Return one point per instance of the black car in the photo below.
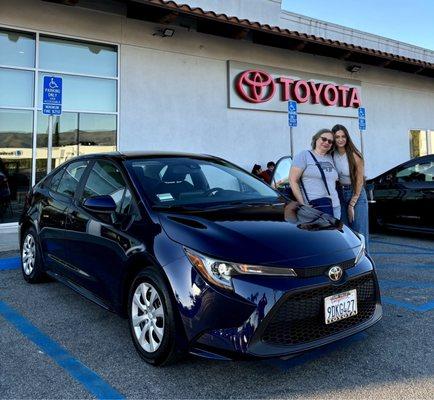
(403, 197)
(199, 255)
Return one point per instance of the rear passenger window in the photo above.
(54, 182)
(69, 181)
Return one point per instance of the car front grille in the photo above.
(299, 318)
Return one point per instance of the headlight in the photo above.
(362, 248)
(220, 272)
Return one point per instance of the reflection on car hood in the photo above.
(263, 234)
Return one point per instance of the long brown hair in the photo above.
(350, 149)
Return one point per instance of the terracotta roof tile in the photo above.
(199, 12)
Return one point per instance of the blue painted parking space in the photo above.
(89, 379)
(7, 264)
(402, 245)
(399, 258)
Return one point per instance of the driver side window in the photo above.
(416, 173)
(106, 179)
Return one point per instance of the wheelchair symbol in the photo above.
(52, 84)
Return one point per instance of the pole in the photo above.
(291, 142)
(50, 143)
(361, 144)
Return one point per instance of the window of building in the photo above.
(421, 142)
(90, 96)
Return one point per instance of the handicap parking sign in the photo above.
(362, 119)
(292, 113)
(52, 95)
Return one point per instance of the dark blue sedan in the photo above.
(200, 256)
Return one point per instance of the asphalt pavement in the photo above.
(56, 344)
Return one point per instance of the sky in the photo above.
(407, 21)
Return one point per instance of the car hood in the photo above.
(274, 234)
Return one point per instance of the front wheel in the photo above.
(31, 258)
(151, 318)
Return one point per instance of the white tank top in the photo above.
(343, 168)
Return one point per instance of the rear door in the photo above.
(405, 194)
(417, 207)
(99, 244)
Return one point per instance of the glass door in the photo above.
(16, 128)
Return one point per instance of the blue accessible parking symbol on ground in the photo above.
(52, 96)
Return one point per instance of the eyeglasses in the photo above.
(324, 139)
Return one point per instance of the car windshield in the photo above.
(181, 181)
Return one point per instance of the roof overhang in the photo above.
(170, 12)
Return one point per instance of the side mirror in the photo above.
(100, 204)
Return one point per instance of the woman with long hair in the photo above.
(350, 166)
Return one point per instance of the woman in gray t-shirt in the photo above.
(304, 168)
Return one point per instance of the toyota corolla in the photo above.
(200, 256)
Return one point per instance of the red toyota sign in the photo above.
(256, 86)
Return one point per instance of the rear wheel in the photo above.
(31, 258)
(151, 318)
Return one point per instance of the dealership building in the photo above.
(202, 76)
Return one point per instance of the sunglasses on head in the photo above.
(324, 139)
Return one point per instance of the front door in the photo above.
(98, 244)
(60, 192)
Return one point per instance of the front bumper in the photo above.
(273, 316)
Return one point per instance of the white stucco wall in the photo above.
(174, 93)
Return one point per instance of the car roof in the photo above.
(128, 155)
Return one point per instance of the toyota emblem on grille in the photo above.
(335, 273)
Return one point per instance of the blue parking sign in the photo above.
(292, 113)
(292, 120)
(292, 107)
(362, 119)
(52, 95)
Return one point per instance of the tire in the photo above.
(32, 265)
(154, 337)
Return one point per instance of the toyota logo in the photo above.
(335, 273)
(255, 86)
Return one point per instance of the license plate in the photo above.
(340, 306)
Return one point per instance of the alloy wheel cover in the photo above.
(29, 254)
(147, 316)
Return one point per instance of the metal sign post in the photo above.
(292, 122)
(362, 127)
(51, 105)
